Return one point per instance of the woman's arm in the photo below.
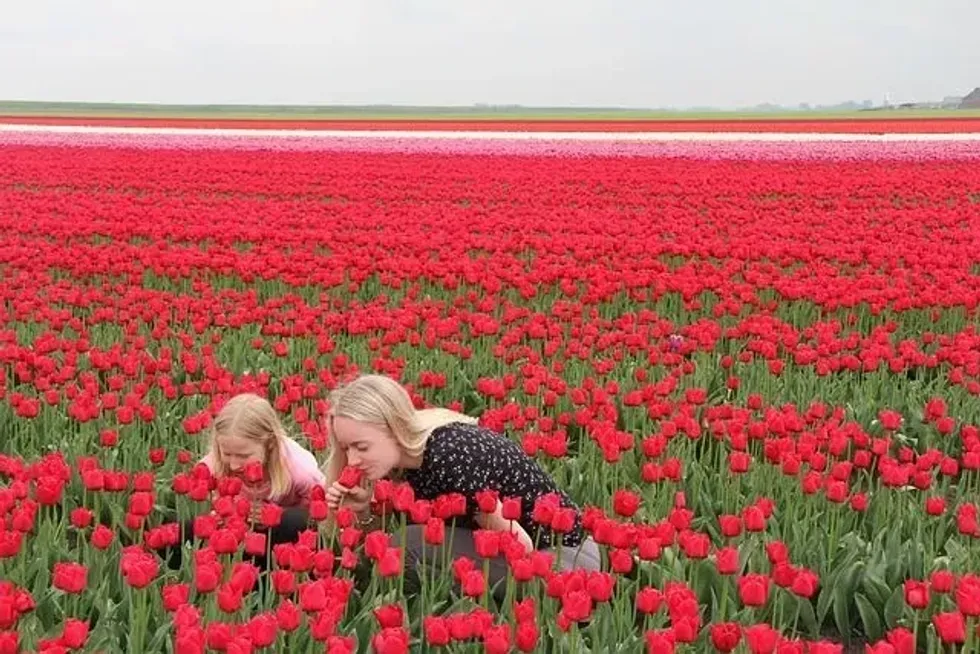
(497, 522)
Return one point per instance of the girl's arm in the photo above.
(497, 522)
(307, 475)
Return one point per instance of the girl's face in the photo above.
(368, 447)
(237, 452)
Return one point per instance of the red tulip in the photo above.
(660, 641)
(175, 596)
(753, 589)
(350, 477)
(288, 616)
(74, 634)
(727, 560)
(731, 525)
(968, 595)
(941, 581)
(262, 630)
(526, 637)
(625, 503)
(229, 598)
(777, 552)
(81, 518)
(916, 594)
(390, 563)
(902, 640)
(950, 627)
(474, 584)
(389, 615)
(391, 641)
(486, 501)
(436, 630)
(70, 577)
(511, 508)
(621, 561)
(761, 639)
(726, 636)
(283, 582)
(805, 583)
(497, 639)
(649, 600)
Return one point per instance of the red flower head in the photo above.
(727, 560)
(761, 639)
(74, 634)
(625, 503)
(390, 564)
(950, 627)
(649, 600)
(436, 629)
(968, 595)
(70, 577)
(350, 477)
(175, 596)
(731, 525)
(753, 589)
(725, 636)
(391, 641)
(660, 642)
(390, 615)
(916, 594)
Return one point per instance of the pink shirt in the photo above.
(302, 468)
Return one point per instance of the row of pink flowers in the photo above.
(837, 150)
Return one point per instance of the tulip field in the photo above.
(755, 364)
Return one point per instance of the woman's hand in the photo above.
(497, 522)
(523, 538)
(357, 499)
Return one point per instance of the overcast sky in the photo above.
(631, 53)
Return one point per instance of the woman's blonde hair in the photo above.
(251, 417)
(383, 402)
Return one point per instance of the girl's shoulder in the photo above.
(301, 463)
(210, 461)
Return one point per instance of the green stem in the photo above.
(724, 598)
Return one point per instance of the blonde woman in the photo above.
(248, 441)
(374, 427)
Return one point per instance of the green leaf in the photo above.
(956, 550)
(160, 637)
(708, 579)
(870, 619)
(362, 631)
(842, 614)
(876, 590)
(842, 578)
(825, 600)
(787, 607)
(893, 562)
(894, 607)
(807, 616)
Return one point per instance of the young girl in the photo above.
(246, 431)
(248, 441)
(374, 427)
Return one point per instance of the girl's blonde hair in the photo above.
(251, 417)
(383, 402)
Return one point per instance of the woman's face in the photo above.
(237, 452)
(367, 446)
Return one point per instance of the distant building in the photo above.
(972, 101)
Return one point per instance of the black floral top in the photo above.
(464, 458)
